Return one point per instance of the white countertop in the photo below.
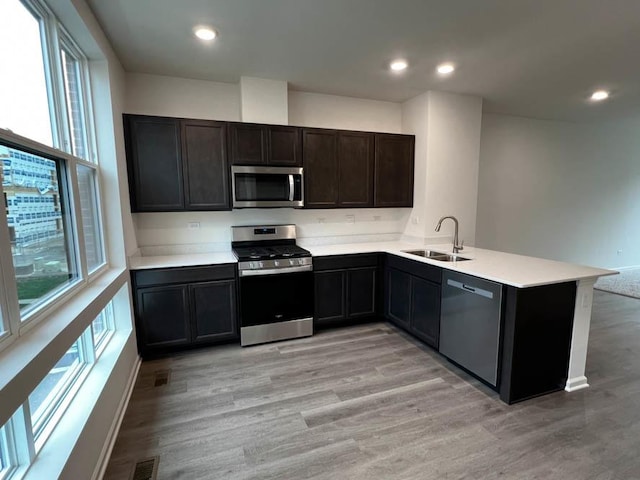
(185, 260)
(515, 270)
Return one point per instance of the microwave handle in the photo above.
(291, 188)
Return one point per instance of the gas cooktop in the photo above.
(273, 252)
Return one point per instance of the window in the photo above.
(91, 224)
(7, 451)
(4, 452)
(72, 63)
(102, 327)
(42, 246)
(24, 93)
(52, 390)
(31, 106)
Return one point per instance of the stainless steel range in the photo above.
(276, 284)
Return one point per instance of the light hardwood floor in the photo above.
(369, 402)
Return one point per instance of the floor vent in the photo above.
(146, 469)
(161, 378)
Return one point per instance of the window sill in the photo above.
(55, 452)
(31, 356)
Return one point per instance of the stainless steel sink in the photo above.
(440, 256)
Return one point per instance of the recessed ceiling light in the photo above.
(599, 95)
(205, 33)
(445, 68)
(399, 65)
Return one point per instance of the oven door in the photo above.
(267, 187)
(271, 299)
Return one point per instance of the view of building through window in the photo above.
(37, 230)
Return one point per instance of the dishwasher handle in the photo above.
(467, 288)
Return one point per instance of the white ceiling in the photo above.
(537, 58)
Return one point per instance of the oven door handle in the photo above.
(275, 271)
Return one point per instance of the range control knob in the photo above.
(276, 263)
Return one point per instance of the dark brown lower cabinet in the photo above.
(346, 288)
(425, 311)
(179, 308)
(536, 340)
(213, 307)
(412, 299)
(161, 313)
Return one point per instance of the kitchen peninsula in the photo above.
(546, 304)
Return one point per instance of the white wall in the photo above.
(169, 230)
(264, 101)
(345, 113)
(181, 97)
(447, 129)
(415, 116)
(560, 190)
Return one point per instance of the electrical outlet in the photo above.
(351, 219)
(415, 220)
(619, 252)
(321, 219)
(193, 225)
(376, 218)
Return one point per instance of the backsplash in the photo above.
(204, 232)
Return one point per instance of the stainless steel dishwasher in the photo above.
(470, 323)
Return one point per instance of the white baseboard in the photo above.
(105, 455)
(578, 383)
(632, 267)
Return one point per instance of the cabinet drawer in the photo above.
(417, 268)
(338, 262)
(164, 276)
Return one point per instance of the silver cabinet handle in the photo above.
(467, 288)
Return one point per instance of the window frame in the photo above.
(65, 42)
(90, 274)
(15, 324)
(63, 393)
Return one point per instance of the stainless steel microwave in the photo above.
(256, 187)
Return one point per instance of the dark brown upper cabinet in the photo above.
(338, 168)
(154, 163)
(320, 168)
(206, 172)
(176, 164)
(356, 165)
(254, 144)
(393, 169)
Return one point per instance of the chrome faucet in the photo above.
(456, 247)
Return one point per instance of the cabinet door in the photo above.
(154, 163)
(394, 170)
(247, 144)
(320, 168)
(398, 299)
(162, 315)
(355, 169)
(213, 311)
(284, 146)
(330, 301)
(425, 311)
(361, 292)
(205, 165)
